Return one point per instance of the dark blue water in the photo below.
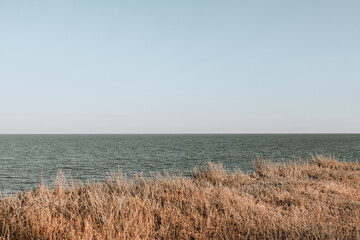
(25, 159)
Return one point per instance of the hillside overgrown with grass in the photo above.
(319, 199)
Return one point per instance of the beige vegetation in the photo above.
(319, 199)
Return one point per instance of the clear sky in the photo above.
(179, 66)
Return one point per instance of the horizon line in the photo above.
(179, 133)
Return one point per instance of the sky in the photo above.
(179, 66)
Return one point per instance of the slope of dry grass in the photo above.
(296, 200)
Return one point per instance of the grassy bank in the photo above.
(319, 199)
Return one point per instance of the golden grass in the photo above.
(319, 199)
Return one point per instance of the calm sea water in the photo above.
(25, 159)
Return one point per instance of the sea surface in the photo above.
(26, 160)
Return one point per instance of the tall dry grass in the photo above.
(319, 199)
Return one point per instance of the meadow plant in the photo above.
(316, 199)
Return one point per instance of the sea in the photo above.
(27, 160)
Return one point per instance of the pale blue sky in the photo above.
(179, 66)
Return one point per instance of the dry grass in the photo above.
(319, 199)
